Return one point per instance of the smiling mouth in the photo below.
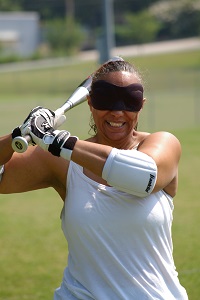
(116, 125)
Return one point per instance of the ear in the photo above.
(144, 102)
(89, 102)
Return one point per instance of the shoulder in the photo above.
(162, 138)
(163, 147)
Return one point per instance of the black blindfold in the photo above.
(108, 96)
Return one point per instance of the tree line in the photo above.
(77, 24)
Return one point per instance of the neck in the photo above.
(119, 144)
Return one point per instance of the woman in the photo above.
(117, 188)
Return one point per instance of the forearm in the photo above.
(91, 156)
(6, 150)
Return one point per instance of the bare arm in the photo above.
(39, 169)
(91, 156)
(165, 149)
(6, 150)
(34, 169)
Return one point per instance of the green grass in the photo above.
(186, 214)
(33, 250)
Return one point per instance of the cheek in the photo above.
(132, 116)
(98, 114)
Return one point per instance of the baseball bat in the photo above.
(20, 144)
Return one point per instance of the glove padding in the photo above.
(54, 120)
(58, 142)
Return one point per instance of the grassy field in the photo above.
(33, 251)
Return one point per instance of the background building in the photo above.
(19, 33)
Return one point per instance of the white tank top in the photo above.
(119, 245)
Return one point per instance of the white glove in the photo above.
(58, 142)
(54, 120)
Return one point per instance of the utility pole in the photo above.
(107, 40)
(69, 7)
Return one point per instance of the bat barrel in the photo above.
(75, 99)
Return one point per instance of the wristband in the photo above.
(62, 144)
(67, 149)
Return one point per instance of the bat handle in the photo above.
(20, 144)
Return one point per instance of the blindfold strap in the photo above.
(108, 96)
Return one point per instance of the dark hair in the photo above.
(108, 67)
(115, 66)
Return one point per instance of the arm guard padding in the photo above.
(130, 171)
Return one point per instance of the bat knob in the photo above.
(20, 144)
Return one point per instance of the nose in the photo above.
(117, 113)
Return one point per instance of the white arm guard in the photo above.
(130, 171)
(1, 172)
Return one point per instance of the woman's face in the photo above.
(115, 126)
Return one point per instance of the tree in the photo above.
(9, 5)
(137, 28)
(178, 18)
(64, 36)
(69, 5)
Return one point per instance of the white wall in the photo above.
(25, 29)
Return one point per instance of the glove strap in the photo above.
(16, 132)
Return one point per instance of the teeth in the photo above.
(115, 124)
